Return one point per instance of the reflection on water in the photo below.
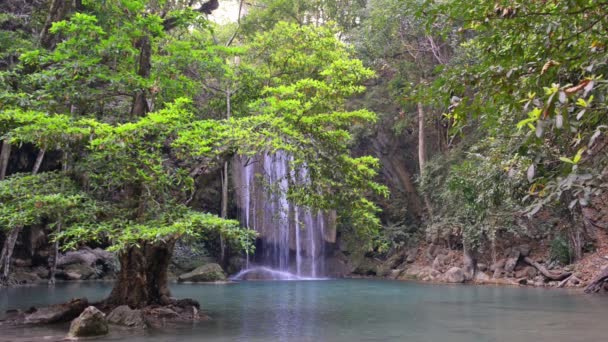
(348, 310)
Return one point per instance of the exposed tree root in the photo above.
(598, 283)
(545, 272)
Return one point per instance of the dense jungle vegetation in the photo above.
(418, 121)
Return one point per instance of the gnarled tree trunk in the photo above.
(143, 279)
(7, 253)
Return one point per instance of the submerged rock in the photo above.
(209, 272)
(454, 275)
(91, 322)
(125, 316)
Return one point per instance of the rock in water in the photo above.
(91, 322)
(454, 275)
(57, 313)
(125, 316)
(209, 272)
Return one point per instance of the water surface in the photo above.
(348, 310)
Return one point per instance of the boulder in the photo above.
(125, 316)
(512, 259)
(526, 272)
(454, 275)
(236, 264)
(481, 277)
(482, 267)
(524, 250)
(79, 271)
(24, 276)
(187, 257)
(163, 312)
(367, 267)
(209, 272)
(88, 263)
(91, 322)
(440, 262)
(57, 313)
(338, 265)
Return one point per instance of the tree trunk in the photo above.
(38, 162)
(5, 154)
(469, 261)
(140, 103)
(7, 253)
(422, 153)
(599, 282)
(421, 138)
(142, 279)
(55, 258)
(58, 11)
(224, 210)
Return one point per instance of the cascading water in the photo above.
(292, 239)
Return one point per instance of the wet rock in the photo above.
(209, 272)
(454, 275)
(57, 313)
(125, 316)
(91, 322)
(163, 312)
(482, 267)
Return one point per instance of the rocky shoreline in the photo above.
(515, 266)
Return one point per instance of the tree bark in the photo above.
(140, 103)
(5, 154)
(469, 261)
(53, 265)
(422, 154)
(38, 163)
(7, 253)
(421, 138)
(598, 283)
(224, 210)
(58, 11)
(142, 280)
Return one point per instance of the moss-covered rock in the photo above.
(205, 273)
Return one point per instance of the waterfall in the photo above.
(291, 238)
